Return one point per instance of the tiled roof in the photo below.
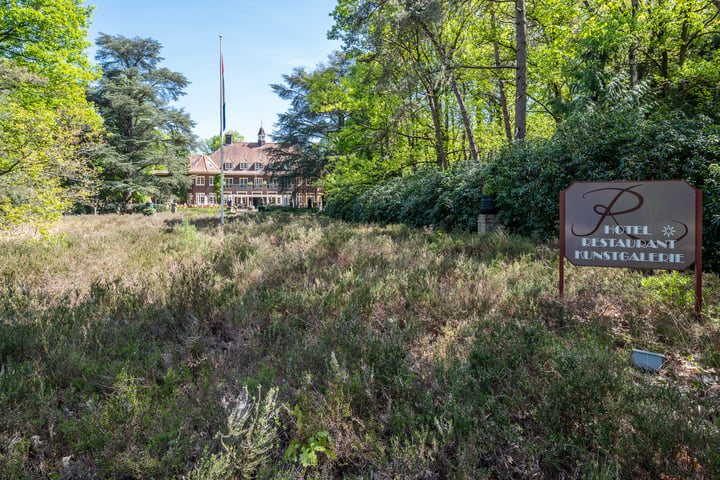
(202, 164)
(239, 153)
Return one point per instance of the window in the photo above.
(200, 199)
(286, 183)
(258, 183)
(272, 184)
(200, 181)
(242, 182)
(243, 166)
(228, 181)
(228, 166)
(258, 166)
(211, 181)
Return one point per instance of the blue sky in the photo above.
(262, 41)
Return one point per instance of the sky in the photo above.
(262, 40)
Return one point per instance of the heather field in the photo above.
(288, 345)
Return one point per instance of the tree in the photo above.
(212, 144)
(45, 120)
(307, 131)
(144, 132)
(521, 75)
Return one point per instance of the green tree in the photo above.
(212, 144)
(45, 120)
(145, 132)
(307, 131)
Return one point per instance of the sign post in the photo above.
(645, 225)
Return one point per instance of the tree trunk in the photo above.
(521, 76)
(466, 120)
(456, 91)
(127, 200)
(632, 54)
(501, 85)
(434, 103)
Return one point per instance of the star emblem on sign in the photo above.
(668, 231)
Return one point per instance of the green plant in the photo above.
(252, 429)
(673, 288)
(307, 453)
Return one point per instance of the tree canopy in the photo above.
(145, 132)
(212, 144)
(437, 81)
(45, 120)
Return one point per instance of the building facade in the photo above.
(247, 181)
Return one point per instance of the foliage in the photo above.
(135, 347)
(446, 199)
(306, 131)
(251, 435)
(45, 121)
(673, 287)
(307, 454)
(619, 141)
(145, 133)
(212, 144)
(434, 82)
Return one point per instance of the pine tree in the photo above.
(145, 133)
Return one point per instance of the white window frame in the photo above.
(201, 199)
(228, 166)
(242, 182)
(229, 181)
(211, 180)
(258, 166)
(243, 165)
(258, 183)
(200, 181)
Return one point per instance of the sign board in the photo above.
(639, 224)
(648, 225)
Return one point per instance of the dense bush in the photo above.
(616, 139)
(424, 197)
(603, 145)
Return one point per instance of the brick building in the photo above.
(247, 183)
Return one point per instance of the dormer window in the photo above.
(228, 166)
(243, 166)
(258, 166)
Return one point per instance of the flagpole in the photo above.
(222, 130)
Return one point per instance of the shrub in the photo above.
(252, 431)
(603, 145)
(427, 196)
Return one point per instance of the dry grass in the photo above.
(422, 354)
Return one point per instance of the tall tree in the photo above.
(45, 120)
(212, 144)
(306, 132)
(521, 75)
(145, 132)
